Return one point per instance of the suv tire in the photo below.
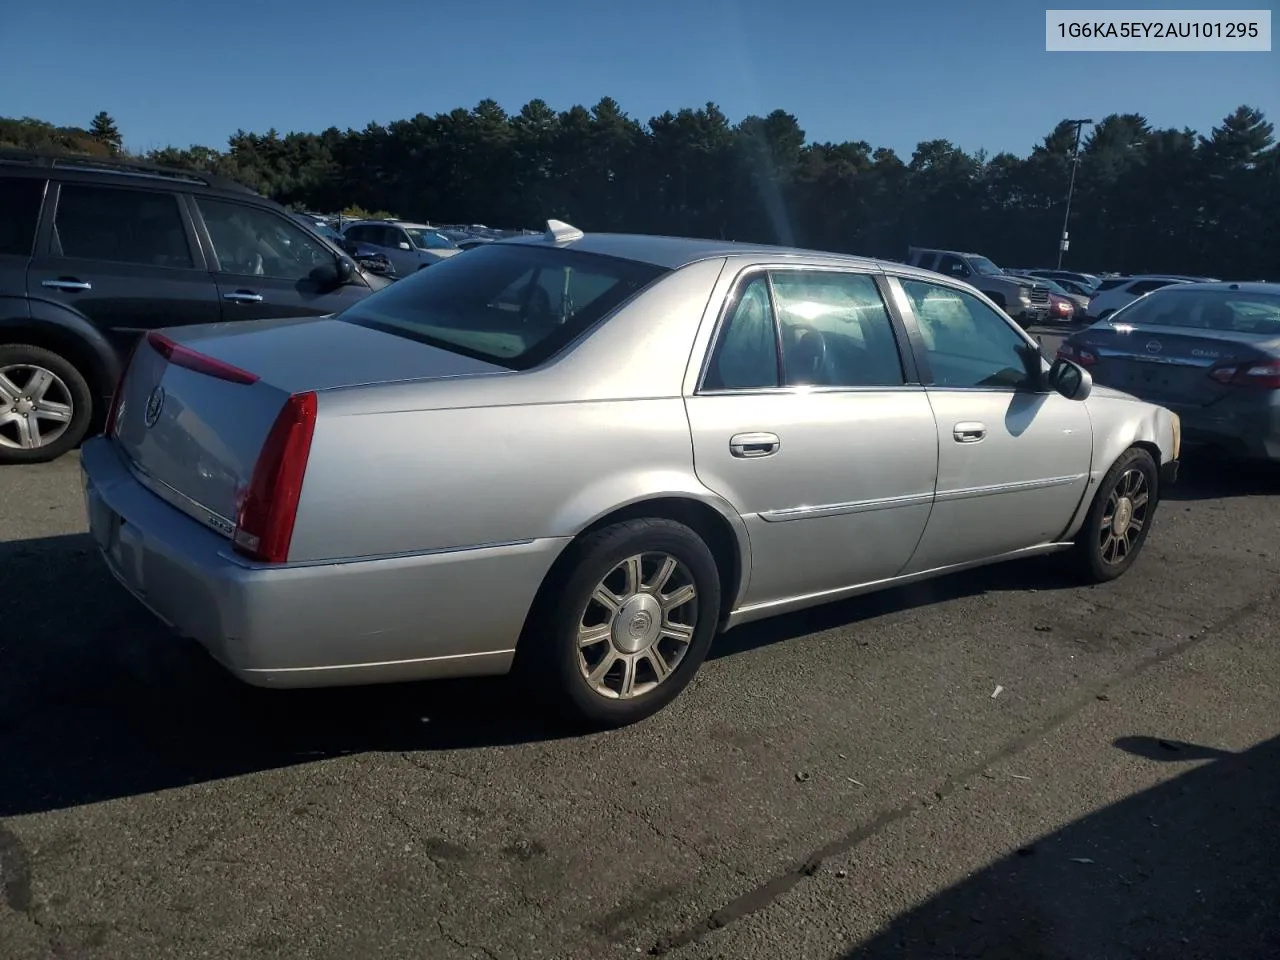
(60, 405)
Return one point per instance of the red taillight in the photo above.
(1264, 375)
(264, 524)
(1086, 358)
(181, 356)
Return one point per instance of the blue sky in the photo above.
(895, 73)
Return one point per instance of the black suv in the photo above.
(94, 253)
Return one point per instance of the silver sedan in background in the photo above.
(1209, 351)
(582, 456)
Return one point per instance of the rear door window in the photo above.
(20, 199)
(835, 330)
(117, 225)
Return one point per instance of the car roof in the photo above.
(675, 252)
(1224, 286)
(120, 170)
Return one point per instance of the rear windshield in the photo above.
(1112, 283)
(1228, 310)
(515, 305)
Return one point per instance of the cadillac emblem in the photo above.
(155, 403)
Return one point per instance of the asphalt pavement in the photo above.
(841, 783)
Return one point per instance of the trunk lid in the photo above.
(1170, 366)
(193, 423)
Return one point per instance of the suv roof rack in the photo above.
(119, 167)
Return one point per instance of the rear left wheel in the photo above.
(623, 630)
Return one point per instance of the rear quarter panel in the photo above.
(410, 467)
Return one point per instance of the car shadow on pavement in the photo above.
(1205, 475)
(1187, 869)
(1036, 573)
(99, 700)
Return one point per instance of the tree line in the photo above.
(1146, 199)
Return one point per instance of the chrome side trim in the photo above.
(330, 667)
(1020, 486)
(839, 509)
(403, 555)
(770, 608)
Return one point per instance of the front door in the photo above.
(1013, 464)
(124, 258)
(805, 421)
(266, 263)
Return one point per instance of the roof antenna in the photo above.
(560, 232)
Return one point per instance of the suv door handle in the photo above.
(748, 446)
(243, 296)
(969, 432)
(67, 283)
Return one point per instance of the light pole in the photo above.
(1071, 188)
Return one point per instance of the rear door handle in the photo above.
(67, 283)
(748, 446)
(969, 432)
(243, 296)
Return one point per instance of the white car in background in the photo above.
(1116, 292)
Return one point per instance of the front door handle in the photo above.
(748, 446)
(67, 283)
(969, 432)
(243, 296)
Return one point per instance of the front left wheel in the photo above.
(625, 626)
(1119, 518)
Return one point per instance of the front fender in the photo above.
(1118, 424)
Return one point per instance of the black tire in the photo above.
(73, 389)
(548, 655)
(1096, 557)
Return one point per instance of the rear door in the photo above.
(827, 449)
(263, 263)
(123, 257)
(20, 199)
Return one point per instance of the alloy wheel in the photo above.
(637, 626)
(1124, 516)
(36, 407)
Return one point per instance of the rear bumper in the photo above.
(439, 614)
(1251, 433)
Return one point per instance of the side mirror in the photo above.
(403, 245)
(341, 271)
(1070, 380)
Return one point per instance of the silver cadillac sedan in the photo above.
(582, 456)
